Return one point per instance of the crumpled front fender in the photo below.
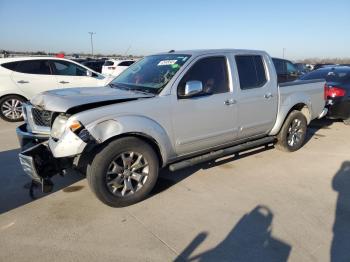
(134, 124)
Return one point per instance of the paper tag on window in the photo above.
(167, 62)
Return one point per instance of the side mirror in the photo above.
(88, 73)
(193, 88)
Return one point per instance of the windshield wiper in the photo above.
(125, 87)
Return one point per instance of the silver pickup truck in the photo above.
(173, 110)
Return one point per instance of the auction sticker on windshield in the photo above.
(167, 62)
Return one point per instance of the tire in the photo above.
(11, 108)
(347, 121)
(113, 172)
(293, 132)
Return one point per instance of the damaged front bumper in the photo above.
(40, 165)
(28, 139)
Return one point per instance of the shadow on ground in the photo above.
(249, 240)
(316, 125)
(168, 179)
(340, 249)
(14, 186)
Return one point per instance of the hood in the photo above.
(62, 100)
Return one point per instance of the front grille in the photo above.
(41, 117)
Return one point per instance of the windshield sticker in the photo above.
(167, 62)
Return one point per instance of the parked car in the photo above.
(302, 68)
(95, 65)
(115, 67)
(286, 70)
(338, 90)
(23, 78)
(172, 109)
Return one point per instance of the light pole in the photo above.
(92, 45)
(283, 51)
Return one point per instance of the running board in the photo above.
(221, 153)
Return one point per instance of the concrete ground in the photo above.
(266, 205)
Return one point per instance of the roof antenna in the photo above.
(171, 51)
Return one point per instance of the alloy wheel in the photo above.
(12, 109)
(127, 174)
(295, 133)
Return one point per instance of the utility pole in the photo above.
(92, 44)
(283, 51)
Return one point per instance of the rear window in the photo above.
(318, 74)
(251, 71)
(108, 63)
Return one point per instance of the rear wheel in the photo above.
(293, 132)
(123, 172)
(11, 108)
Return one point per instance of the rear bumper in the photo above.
(339, 109)
(27, 139)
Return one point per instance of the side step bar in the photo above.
(221, 153)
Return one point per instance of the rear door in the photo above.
(69, 74)
(34, 77)
(207, 120)
(257, 95)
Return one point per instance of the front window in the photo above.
(151, 74)
(66, 68)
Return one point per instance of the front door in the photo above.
(208, 119)
(69, 74)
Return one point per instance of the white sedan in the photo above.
(23, 78)
(114, 67)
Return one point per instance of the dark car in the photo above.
(302, 68)
(337, 90)
(286, 70)
(95, 65)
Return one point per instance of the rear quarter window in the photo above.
(251, 71)
(11, 65)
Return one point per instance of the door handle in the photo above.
(229, 102)
(268, 95)
(64, 82)
(22, 82)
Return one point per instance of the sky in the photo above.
(306, 29)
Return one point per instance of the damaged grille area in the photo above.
(41, 117)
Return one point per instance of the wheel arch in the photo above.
(284, 113)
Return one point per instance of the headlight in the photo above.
(58, 127)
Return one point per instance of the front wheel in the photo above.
(293, 132)
(11, 108)
(123, 172)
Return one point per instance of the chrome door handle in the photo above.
(229, 102)
(268, 95)
(22, 82)
(64, 82)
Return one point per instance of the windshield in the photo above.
(151, 74)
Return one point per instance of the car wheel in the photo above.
(293, 132)
(347, 121)
(123, 172)
(11, 108)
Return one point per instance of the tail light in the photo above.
(334, 91)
